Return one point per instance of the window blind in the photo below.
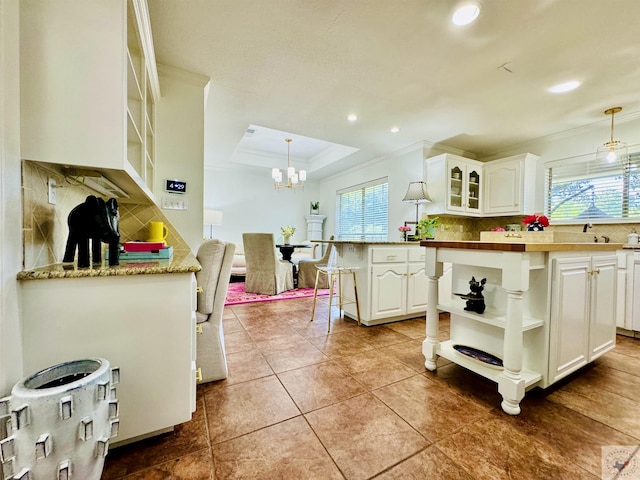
(362, 211)
(584, 188)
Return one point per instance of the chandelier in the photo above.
(294, 179)
(613, 149)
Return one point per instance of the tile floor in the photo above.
(358, 404)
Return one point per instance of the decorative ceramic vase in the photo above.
(61, 421)
(287, 239)
(535, 227)
(428, 232)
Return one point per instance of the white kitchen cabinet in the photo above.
(454, 185)
(144, 324)
(89, 102)
(390, 277)
(510, 186)
(583, 306)
(550, 309)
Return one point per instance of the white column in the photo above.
(314, 230)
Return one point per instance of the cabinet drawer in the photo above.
(417, 254)
(388, 255)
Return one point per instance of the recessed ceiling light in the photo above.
(352, 117)
(394, 130)
(565, 87)
(465, 14)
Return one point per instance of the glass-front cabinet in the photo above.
(454, 184)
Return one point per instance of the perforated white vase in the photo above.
(59, 422)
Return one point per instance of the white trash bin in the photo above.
(59, 422)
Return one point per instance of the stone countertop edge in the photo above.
(523, 247)
(181, 262)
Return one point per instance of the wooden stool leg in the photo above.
(315, 295)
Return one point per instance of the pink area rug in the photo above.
(236, 294)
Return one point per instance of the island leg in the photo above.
(510, 382)
(430, 344)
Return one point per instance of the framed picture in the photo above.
(412, 235)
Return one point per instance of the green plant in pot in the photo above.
(427, 227)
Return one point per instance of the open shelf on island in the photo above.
(447, 351)
(490, 317)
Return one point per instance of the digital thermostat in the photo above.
(176, 186)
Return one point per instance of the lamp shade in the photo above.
(417, 193)
(213, 217)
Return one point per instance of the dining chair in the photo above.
(215, 258)
(307, 270)
(266, 273)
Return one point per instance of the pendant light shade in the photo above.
(613, 150)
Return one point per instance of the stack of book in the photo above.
(145, 251)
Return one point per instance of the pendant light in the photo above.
(613, 150)
(294, 179)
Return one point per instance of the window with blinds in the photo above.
(362, 211)
(583, 189)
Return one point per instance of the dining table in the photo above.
(287, 249)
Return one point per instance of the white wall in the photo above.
(180, 147)
(10, 198)
(250, 203)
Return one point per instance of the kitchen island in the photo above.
(391, 279)
(550, 310)
(139, 315)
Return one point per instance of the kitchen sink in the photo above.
(547, 236)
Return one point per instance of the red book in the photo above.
(143, 246)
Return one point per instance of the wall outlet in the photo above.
(52, 191)
(461, 229)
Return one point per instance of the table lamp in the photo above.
(417, 192)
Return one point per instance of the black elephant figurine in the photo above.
(475, 299)
(94, 220)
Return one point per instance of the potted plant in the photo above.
(426, 227)
(314, 208)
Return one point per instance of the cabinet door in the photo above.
(602, 329)
(474, 190)
(388, 290)
(417, 289)
(569, 335)
(503, 188)
(456, 186)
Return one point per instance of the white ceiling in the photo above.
(301, 66)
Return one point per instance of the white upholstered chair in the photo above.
(266, 273)
(215, 257)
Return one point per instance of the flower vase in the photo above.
(287, 239)
(535, 227)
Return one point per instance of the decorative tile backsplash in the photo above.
(44, 227)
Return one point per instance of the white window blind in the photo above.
(362, 211)
(584, 189)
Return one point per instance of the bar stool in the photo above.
(334, 273)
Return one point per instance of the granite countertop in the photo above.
(181, 262)
(524, 247)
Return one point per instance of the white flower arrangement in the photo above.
(287, 231)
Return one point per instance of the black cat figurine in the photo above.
(475, 299)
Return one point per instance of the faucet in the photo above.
(606, 238)
(586, 225)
